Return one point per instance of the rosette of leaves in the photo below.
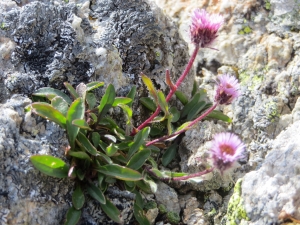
(173, 119)
(100, 152)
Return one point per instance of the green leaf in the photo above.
(121, 100)
(169, 154)
(138, 159)
(152, 184)
(79, 155)
(215, 114)
(195, 88)
(176, 114)
(47, 111)
(147, 81)
(73, 216)
(95, 193)
(120, 172)
(139, 140)
(181, 97)
(162, 102)
(60, 104)
(111, 211)
(107, 100)
(93, 85)
(78, 198)
(128, 112)
(50, 165)
(145, 187)
(86, 144)
(95, 138)
(81, 123)
(148, 103)
(138, 199)
(80, 174)
(131, 95)
(139, 215)
(91, 100)
(71, 90)
(111, 149)
(183, 126)
(188, 107)
(76, 111)
(104, 157)
(51, 93)
(198, 107)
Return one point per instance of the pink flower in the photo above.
(226, 149)
(204, 27)
(227, 90)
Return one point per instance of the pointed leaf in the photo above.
(139, 140)
(198, 107)
(120, 172)
(195, 88)
(78, 198)
(138, 199)
(128, 112)
(95, 138)
(138, 159)
(60, 104)
(93, 85)
(81, 123)
(111, 149)
(121, 100)
(162, 102)
(148, 103)
(51, 93)
(73, 216)
(50, 165)
(139, 215)
(181, 97)
(76, 111)
(48, 112)
(111, 211)
(183, 126)
(71, 90)
(95, 193)
(131, 95)
(169, 154)
(107, 100)
(147, 81)
(86, 144)
(91, 100)
(215, 114)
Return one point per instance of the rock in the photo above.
(274, 187)
(168, 197)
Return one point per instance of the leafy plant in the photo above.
(102, 153)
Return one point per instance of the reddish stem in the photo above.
(185, 129)
(172, 90)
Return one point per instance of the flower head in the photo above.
(227, 90)
(204, 27)
(226, 149)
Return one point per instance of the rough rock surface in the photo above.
(275, 186)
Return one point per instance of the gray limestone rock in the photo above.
(275, 186)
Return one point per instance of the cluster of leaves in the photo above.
(175, 119)
(101, 153)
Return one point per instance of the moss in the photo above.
(272, 111)
(236, 211)
(150, 205)
(162, 209)
(173, 217)
(245, 30)
(267, 5)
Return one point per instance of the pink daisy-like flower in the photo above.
(226, 149)
(228, 89)
(204, 27)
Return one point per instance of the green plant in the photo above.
(102, 153)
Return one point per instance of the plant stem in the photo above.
(172, 90)
(185, 129)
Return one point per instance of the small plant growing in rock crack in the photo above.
(101, 153)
